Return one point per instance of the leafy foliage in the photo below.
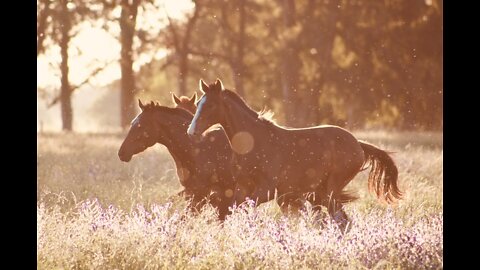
(359, 64)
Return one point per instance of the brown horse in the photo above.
(204, 168)
(185, 102)
(319, 161)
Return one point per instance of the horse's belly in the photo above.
(306, 177)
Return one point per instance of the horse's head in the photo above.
(142, 134)
(185, 102)
(209, 109)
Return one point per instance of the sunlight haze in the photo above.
(92, 48)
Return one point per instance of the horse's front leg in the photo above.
(263, 193)
(255, 187)
(259, 194)
(264, 189)
(240, 193)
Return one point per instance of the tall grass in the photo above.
(95, 212)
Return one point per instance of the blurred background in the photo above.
(357, 64)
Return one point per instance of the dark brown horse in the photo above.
(319, 161)
(204, 168)
(185, 102)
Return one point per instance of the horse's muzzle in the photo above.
(123, 157)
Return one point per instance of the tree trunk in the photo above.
(323, 42)
(408, 111)
(238, 78)
(184, 51)
(65, 91)
(238, 67)
(128, 18)
(312, 110)
(290, 65)
(182, 73)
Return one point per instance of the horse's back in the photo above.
(336, 144)
(324, 133)
(321, 130)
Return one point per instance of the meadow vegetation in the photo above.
(96, 212)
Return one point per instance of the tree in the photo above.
(56, 20)
(315, 43)
(398, 52)
(236, 40)
(180, 43)
(65, 92)
(290, 63)
(128, 18)
(229, 43)
(319, 62)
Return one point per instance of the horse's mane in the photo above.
(266, 116)
(176, 111)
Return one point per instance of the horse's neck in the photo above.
(183, 165)
(239, 118)
(177, 143)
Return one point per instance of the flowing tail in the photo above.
(382, 168)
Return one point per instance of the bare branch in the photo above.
(172, 28)
(211, 54)
(227, 28)
(86, 81)
(190, 25)
(166, 64)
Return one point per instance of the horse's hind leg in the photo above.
(195, 202)
(315, 199)
(291, 202)
(337, 213)
(339, 216)
(335, 197)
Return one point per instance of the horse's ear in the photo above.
(140, 104)
(193, 98)
(203, 86)
(218, 85)
(175, 99)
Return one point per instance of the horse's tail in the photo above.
(382, 168)
(346, 197)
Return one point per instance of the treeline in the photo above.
(359, 64)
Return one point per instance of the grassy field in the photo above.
(96, 212)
